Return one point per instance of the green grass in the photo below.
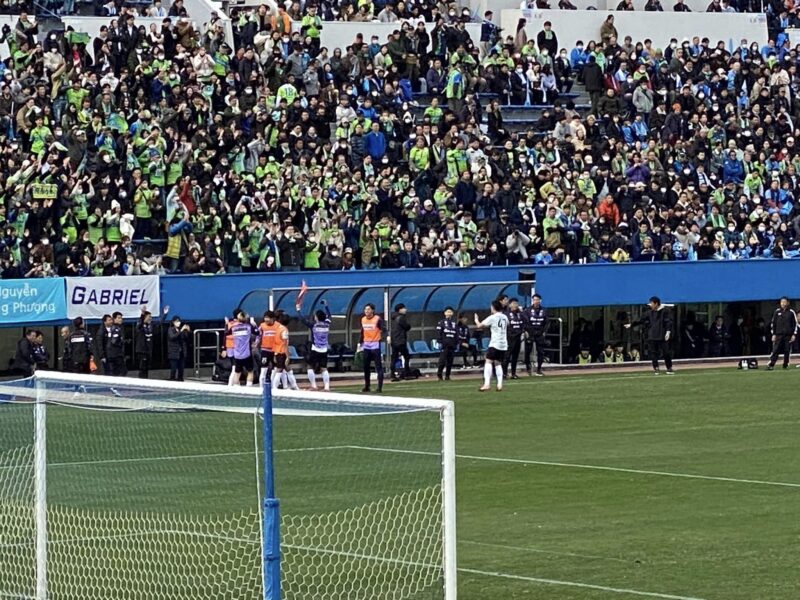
(704, 538)
(700, 496)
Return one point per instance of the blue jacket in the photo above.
(577, 58)
(375, 144)
(732, 170)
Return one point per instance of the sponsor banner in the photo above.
(93, 297)
(32, 301)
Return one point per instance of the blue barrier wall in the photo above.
(203, 298)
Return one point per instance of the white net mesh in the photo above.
(154, 495)
(17, 528)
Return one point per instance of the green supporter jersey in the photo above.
(79, 206)
(312, 25)
(141, 204)
(434, 113)
(75, 97)
(96, 228)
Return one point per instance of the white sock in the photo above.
(326, 380)
(312, 378)
(292, 380)
(276, 379)
(498, 371)
(249, 383)
(262, 377)
(232, 378)
(487, 374)
(284, 380)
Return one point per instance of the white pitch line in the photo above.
(589, 467)
(402, 562)
(540, 551)
(585, 586)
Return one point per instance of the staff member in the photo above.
(447, 334)
(143, 348)
(400, 329)
(24, 359)
(535, 326)
(177, 348)
(516, 327)
(115, 347)
(784, 331)
(372, 330)
(658, 321)
(78, 349)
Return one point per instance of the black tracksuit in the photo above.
(399, 332)
(447, 334)
(78, 352)
(24, 359)
(463, 344)
(144, 347)
(114, 350)
(784, 328)
(516, 327)
(535, 326)
(658, 323)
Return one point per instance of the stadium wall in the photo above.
(209, 297)
(562, 286)
(572, 25)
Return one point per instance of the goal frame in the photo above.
(271, 506)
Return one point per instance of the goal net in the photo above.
(139, 490)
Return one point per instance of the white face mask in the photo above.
(762, 229)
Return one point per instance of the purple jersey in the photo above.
(320, 331)
(242, 334)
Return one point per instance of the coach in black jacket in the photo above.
(399, 331)
(659, 331)
(784, 332)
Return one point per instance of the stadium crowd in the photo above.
(286, 155)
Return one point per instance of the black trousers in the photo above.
(538, 341)
(446, 361)
(400, 350)
(116, 366)
(465, 350)
(660, 349)
(144, 365)
(373, 356)
(782, 343)
(176, 369)
(512, 356)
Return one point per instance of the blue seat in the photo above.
(435, 347)
(293, 355)
(421, 348)
(484, 344)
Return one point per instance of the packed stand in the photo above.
(286, 155)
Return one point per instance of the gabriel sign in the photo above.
(93, 297)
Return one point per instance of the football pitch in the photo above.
(629, 485)
(573, 487)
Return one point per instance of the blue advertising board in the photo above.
(32, 301)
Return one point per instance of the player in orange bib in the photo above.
(282, 374)
(229, 341)
(372, 330)
(267, 332)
